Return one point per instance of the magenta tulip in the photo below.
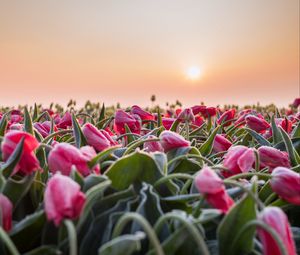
(171, 140)
(153, 146)
(271, 157)
(257, 124)
(286, 183)
(44, 128)
(28, 161)
(186, 115)
(144, 115)
(226, 117)
(65, 121)
(275, 218)
(6, 208)
(63, 199)
(221, 143)
(123, 118)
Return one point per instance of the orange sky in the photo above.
(125, 51)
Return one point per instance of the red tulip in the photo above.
(153, 145)
(140, 112)
(271, 157)
(238, 159)
(257, 124)
(198, 109)
(63, 156)
(63, 199)
(275, 218)
(207, 111)
(6, 208)
(28, 161)
(44, 128)
(286, 124)
(296, 102)
(211, 185)
(226, 117)
(122, 118)
(99, 139)
(167, 122)
(198, 121)
(286, 183)
(171, 140)
(186, 115)
(65, 121)
(221, 143)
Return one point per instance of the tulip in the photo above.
(65, 121)
(286, 183)
(221, 143)
(186, 115)
(28, 161)
(257, 124)
(153, 146)
(144, 115)
(198, 109)
(211, 185)
(275, 218)
(167, 122)
(198, 121)
(271, 157)
(63, 199)
(207, 112)
(238, 159)
(6, 208)
(64, 156)
(44, 128)
(226, 117)
(99, 139)
(123, 118)
(286, 124)
(171, 140)
(296, 102)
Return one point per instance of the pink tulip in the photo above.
(144, 115)
(167, 122)
(99, 139)
(227, 117)
(286, 183)
(44, 128)
(211, 185)
(198, 109)
(271, 157)
(238, 159)
(198, 121)
(63, 199)
(296, 102)
(63, 156)
(65, 121)
(286, 124)
(257, 124)
(6, 208)
(123, 118)
(221, 143)
(275, 218)
(153, 146)
(28, 161)
(186, 115)
(171, 140)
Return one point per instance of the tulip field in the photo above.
(175, 180)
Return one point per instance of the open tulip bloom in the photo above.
(180, 180)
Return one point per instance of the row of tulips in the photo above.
(198, 180)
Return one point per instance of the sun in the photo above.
(193, 73)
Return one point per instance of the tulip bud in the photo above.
(153, 146)
(66, 121)
(286, 183)
(238, 159)
(171, 140)
(296, 102)
(28, 161)
(257, 124)
(167, 122)
(271, 157)
(275, 218)
(122, 118)
(186, 115)
(211, 185)
(63, 199)
(198, 109)
(226, 117)
(140, 112)
(221, 144)
(286, 124)
(44, 128)
(198, 121)
(63, 156)
(6, 208)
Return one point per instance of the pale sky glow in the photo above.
(125, 51)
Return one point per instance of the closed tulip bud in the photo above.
(186, 115)
(257, 124)
(271, 157)
(275, 218)
(199, 121)
(65, 121)
(63, 199)
(226, 117)
(144, 115)
(123, 118)
(171, 140)
(44, 128)
(97, 138)
(6, 208)
(167, 122)
(286, 124)
(28, 161)
(64, 156)
(153, 146)
(221, 143)
(286, 184)
(211, 185)
(238, 159)
(296, 102)
(198, 109)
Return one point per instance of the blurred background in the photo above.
(211, 51)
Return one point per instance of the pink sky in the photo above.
(125, 51)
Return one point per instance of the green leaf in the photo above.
(35, 112)
(44, 250)
(102, 156)
(207, 146)
(3, 124)
(296, 131)
(79, 137)
(134, 168)
(9, 166)
(123, 245)
(130, 138)
(28, 127)
(259, 138)
(159, 118)
(228, 230)
(293, 155)
(175, 125)
(275, 131)
(102, 113)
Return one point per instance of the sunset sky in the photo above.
(124, 51)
